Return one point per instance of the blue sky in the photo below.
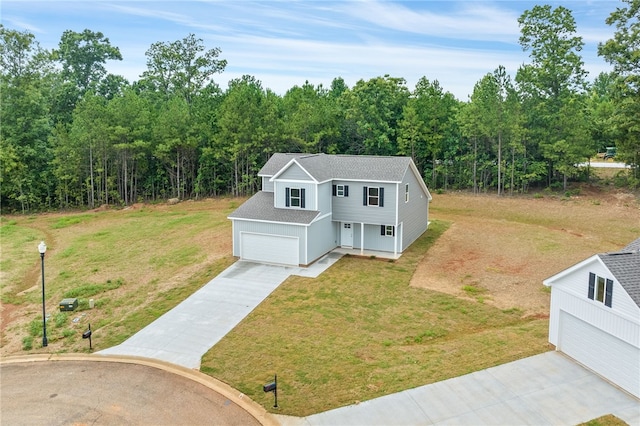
(284, 43)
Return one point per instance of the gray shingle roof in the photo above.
(261, 207)
(625, 266)
(633, 246)
(324, 167)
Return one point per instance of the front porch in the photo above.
(367, 253)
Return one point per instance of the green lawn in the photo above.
(359, 331)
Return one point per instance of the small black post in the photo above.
(87, 335)
(272, 387)
(275, 392)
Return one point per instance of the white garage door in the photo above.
(269, 248)
(612, 358)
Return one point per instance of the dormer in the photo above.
(294, 187)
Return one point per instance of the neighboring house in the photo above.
(595, 315)
(311, 204)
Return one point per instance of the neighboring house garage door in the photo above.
(612, 358)
(269, 248)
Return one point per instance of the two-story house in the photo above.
(311, 204)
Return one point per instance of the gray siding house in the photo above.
(595, 315)
(311, 204)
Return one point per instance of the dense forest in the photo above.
(74, 136)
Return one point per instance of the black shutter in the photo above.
(592, 285)
(381, 201)
(286, 197)
(393, 231)
(382, 230)
(302, 198)
(346, 190)
(364, 195)
(333, 190)
(608, 294)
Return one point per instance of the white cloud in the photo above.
(469, 20)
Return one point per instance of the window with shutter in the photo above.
(600, 289)
(608, 293)
(373, 196)
(387, 230)
(295, 197)
(340, 190)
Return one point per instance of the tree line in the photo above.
(74, 136)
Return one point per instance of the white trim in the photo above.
(271, 221)
(549, 281)
(286, 166)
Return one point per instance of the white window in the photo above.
(373, 196)
(340, 190)
(600, 289)
(406, 193)
(294, 197)
(387, 230)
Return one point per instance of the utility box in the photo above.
(69, 304)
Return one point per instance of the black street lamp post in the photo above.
(42, 248)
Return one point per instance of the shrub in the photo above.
(27, 343)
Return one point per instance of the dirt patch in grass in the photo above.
(507, 246)
(135, 263)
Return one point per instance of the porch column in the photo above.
(361, 238)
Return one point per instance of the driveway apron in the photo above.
(546, 389)
(185, 333)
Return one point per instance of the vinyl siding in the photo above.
(324, 198)
(350, 209)
(569, 294)
(372, 238)
(597, 315)
(322, 236)
(267, 185)
(414, 215)
(310, 193)
(294, 172)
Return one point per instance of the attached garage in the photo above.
(609, 356)
(267, 248)
(594, 315)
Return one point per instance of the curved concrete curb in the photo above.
(238, 398)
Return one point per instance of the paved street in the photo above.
(67, 392)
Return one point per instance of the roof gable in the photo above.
(624, 265)
(293, 168)
(363, 168)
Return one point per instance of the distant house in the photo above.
(595, 315)
(311, 204)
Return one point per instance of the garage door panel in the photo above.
(268, 248)
(612, 358)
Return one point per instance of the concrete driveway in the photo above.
(185, 333)
(547, 389)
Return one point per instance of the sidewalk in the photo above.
(185, 333)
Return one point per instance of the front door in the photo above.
(346, 234)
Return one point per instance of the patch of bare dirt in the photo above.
(7, 312)
(499, 250)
